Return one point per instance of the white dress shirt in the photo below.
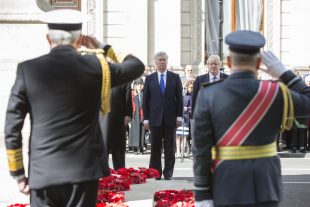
(211, 77)
(159, 76)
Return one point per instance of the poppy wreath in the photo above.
(111, 187)
(174, 198)
(19, 205)
(149, 172)
(110, 198)
(135, 176)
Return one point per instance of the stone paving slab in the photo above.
(142, 194)
(147, 190)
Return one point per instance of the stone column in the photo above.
(272, 25)
(94, 11)
(167, 29)
(22, 37)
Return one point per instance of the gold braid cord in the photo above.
(106, 84)
(288, 108)
(110, 54)
(106, 74)
(15, 159)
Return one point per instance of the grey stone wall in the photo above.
(22, 37)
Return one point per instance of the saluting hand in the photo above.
(275, 68)
(90, 42)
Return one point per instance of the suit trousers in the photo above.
(118, 158)
(265, 204)
(163, 135)
(82, 194)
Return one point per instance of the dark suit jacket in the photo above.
(197, 84)
(121, 106)
(158, 107)
(62, 91)
(256, 180)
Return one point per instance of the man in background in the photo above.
(213, 74)
(189, 73)
(117, 121)
(163, 111)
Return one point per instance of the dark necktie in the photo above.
(214, 79)
(162, 84)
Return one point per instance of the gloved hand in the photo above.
(204, 203)
(274, 66)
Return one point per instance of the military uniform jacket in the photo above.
(240, 181)
(61, 92)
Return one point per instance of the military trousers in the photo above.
(82, 194)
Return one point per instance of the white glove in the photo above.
(274, 66)
(204, 203)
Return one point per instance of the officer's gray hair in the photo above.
(159, 54)
(60, 37)
(239, 59)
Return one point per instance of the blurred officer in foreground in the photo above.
(245, 169)
(63, 92)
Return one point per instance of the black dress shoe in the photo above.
(303, 150)
(168, 178)
(294, 150)
(157, 178)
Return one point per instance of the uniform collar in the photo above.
(242, 74)
(63, 48)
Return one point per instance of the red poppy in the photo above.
(149, 172)
(108, 196)
(174, 198)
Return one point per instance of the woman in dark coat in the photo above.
(137, 131)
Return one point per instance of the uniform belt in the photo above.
(244, 152)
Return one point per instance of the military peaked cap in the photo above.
(63, 19)
(244, 41)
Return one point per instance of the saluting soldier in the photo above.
(63, 92)
(241, 125)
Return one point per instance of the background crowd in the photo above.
(137, 139)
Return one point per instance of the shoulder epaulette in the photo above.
(205, 84)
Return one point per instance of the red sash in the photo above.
(251, 116)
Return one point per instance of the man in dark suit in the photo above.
(63, 92)
(241, 123)
(214, 74)
(163, 109)
(117, 120)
